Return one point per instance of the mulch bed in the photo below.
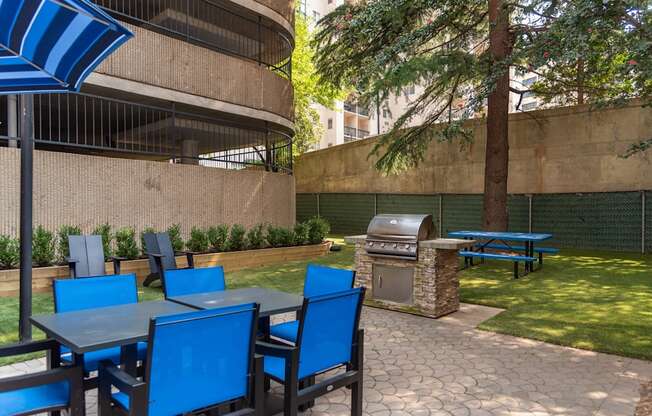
(644, 407)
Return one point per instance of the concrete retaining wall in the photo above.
(561, 150)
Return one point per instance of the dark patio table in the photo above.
(114, 326)
(272, 302)
(490, 236)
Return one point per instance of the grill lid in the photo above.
(401, 227)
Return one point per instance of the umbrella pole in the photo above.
(26, 187)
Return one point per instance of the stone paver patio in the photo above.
(423, 367)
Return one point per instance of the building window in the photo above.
(316, 15)
(529, 81)
(330, 123)
(303, 7)
(386, 113)
(330, 144)
(530, 106)
(410, 90)
(330, 1)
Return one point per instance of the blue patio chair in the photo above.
(196, 361)
(329, 337)
(43, 391)
(182, 282)
(96, 292)
(320, 280)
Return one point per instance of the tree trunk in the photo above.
(497, 151)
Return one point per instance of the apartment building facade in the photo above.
(201, 82)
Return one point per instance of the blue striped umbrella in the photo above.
(53, 45)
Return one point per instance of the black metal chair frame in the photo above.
(299, 394)
(72, 374)
(158, 260)
(110, 375)
(72, 264)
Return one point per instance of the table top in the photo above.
(93, 329)
(271, 301)
(507, 236)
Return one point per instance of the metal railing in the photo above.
(355, 108)
(353, 133)
(210, 25)
(88, 123)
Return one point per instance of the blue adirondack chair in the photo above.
(44, 391)
(162, 256)
(329, 338)
(320, 280)
(196, 360)
(96, 292)
(182, 282)
(87, 256)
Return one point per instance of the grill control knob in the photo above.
(382, 245)
(407, 246)
(395, 245)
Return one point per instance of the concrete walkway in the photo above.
(424, 367)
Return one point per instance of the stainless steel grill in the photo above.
(398, 235)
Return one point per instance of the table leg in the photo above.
(527, 253)
(53, 360)
(129, 358)
(264, 328)
(78, 359)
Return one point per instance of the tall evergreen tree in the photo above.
(585, 51)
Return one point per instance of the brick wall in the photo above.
(89, 190)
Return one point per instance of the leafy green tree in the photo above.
(308, 90)
(590, 51)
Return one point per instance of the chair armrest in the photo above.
(190, 257)
(26, 348)
(71, 260)
(111, 374)
(275, 350)
(155, 255)
(116, 258)
(74, 374)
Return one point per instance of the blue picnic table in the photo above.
(503, 240)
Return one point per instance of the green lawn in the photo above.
(599, 301)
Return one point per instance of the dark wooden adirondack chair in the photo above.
(158, 248)
(87, 256)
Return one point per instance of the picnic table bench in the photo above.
(501, 241)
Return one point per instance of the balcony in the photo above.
(155, 59)
(87, 123)
(351, 133)
(211, 25)
(356, 108)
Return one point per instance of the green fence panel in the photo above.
(347, 213)
(461, 212)
(518, 207)
(648, 222)
(409, 204)
(306, 206)
(601, 221)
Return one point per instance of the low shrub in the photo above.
(280, 236)
(174, 231)
(143, 246)
(256, 237)
(318, 229)
(125, 241)
(43, 247)
(301, 233)
(9, 252)
(198, 241)
(104, 230)
(62, 237)
(218, 237)
(236, 238)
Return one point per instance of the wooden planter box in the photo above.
(42, 276)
